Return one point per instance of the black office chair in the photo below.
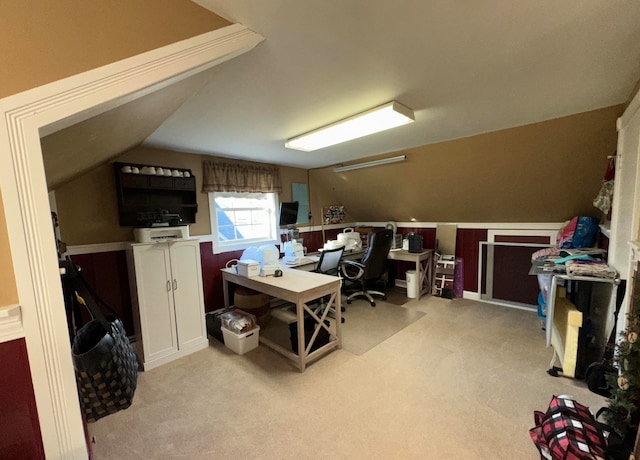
(370, 268)
(329, 264)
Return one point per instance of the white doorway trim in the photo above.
(43, 110)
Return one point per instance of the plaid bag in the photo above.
(568, 431)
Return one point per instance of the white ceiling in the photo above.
(465, 67)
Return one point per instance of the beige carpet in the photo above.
(461, 382)
(397, 296)
(366, 326)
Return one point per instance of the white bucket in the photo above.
(412, 284)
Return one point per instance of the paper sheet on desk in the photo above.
(303, 261)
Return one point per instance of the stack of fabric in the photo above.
(590, 267)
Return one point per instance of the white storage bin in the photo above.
(241, 343)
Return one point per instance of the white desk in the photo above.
(298, 287)
(423, 261)
(424, 266)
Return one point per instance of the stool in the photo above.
(253, 302)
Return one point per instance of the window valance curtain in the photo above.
(238, 177)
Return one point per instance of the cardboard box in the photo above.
(248, 268)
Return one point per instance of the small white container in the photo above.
(412, 284)
(241, 343)
(248, 268)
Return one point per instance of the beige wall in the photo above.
(46, 40)
(544, 172)
(8, 292)
(42, 41)
(88, 208)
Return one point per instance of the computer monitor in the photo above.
(288, 213)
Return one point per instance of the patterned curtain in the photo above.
(238, 177)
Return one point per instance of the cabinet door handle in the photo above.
(168, 285)
(175, 284)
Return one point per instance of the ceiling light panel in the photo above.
(381, 118)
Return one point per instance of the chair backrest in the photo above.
(329, 262)
(375, 259)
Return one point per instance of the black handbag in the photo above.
(104, 361)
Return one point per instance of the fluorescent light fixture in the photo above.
(378, 119)
(369, 164)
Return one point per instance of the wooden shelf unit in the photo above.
(141, 195)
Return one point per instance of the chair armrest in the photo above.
(352, 270)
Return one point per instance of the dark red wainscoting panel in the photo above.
(511, 281)
(108, 276)
(211, 276)
(468, 247)
(20, 435)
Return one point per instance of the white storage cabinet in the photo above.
(168, 301)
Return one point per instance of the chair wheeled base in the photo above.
(368, 294)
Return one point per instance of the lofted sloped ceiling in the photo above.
(464, 67)
(72, 151)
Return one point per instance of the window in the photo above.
(240, 220)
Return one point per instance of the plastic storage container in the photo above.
(241, 343)
(238, 321)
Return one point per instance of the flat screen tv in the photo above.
(288, 213)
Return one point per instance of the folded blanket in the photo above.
(545, 252)
(590, 268)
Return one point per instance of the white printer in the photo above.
(161, 234)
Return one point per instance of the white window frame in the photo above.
(220, 247)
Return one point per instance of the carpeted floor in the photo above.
(462, 381)
(366, 326)
(397, 296)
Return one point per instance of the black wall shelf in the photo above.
(142, 195)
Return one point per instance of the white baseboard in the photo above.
(471, 295)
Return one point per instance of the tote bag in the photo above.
(104, 361)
